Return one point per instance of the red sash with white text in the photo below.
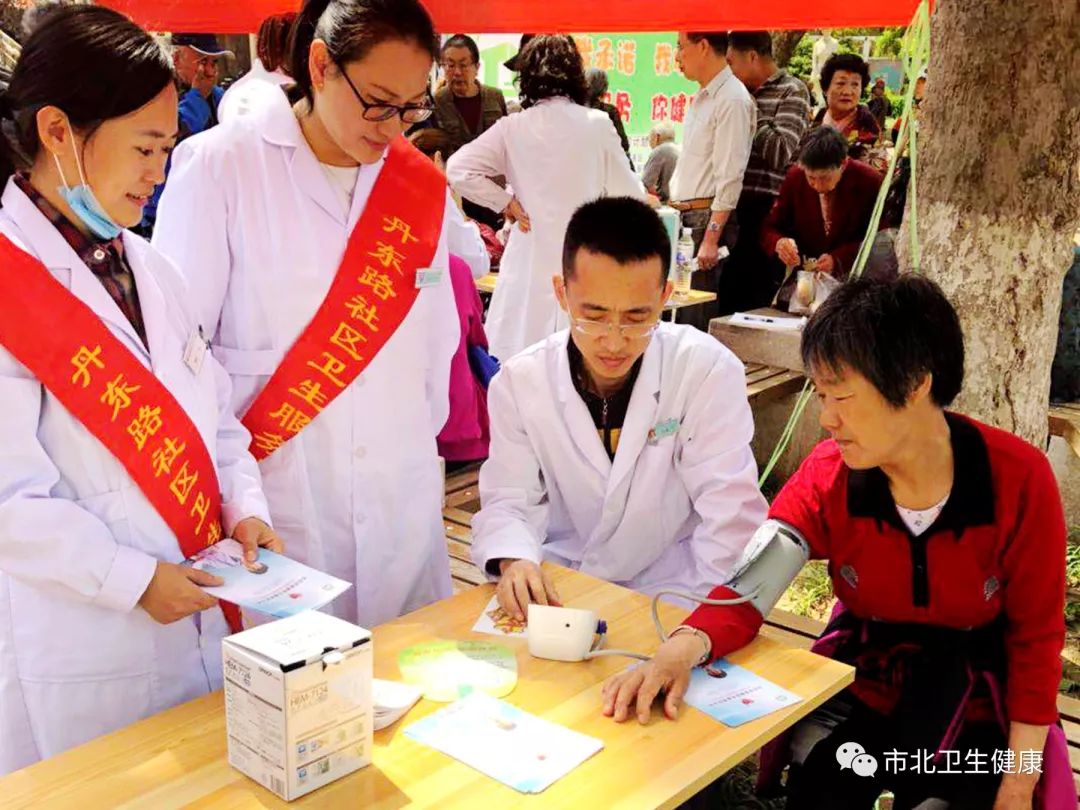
(375, 287)
(114, 396)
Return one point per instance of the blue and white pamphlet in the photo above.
(273, 584)
(734, 695)
(519, 749)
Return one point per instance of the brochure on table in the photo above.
(520, 750)
(733, 695)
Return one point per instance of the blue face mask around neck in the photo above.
(84, 204)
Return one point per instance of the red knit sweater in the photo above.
(998, 548)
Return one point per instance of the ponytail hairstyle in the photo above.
(89, 61)
(272, 46)
(351, 28)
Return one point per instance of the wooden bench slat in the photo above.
(1069, 708)
(461, 479)
(458, 533)
(1072, 729)
(459, 516)
(1064, 421)
(763, 374)
(466, 572)
(789, 382)
(752, 367)
(459, 551)
(463, 497)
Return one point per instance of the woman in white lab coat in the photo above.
(556, 155)
(267, 78)
(99, 624)
(257, 213)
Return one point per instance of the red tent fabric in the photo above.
(511, 16)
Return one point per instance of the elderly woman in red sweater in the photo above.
(823, 209)
(946, 546)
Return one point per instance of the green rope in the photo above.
(915, 57)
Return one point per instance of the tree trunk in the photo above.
(999, 193)
(784, 44)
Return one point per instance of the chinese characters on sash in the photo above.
(155, 446)
(371, 295)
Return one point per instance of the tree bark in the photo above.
(784, 44)
(999, 193)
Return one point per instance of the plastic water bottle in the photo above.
(684, 263)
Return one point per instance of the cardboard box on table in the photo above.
(298, 702)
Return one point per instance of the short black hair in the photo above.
(550, 66)
(850, 62)
(462, 41)
(893, 333)
(718, 40)
(623, 228)
(823, 148)
(759, 42)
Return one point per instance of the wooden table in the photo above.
(178, 758)
(695, 297)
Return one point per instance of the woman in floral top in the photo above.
(843, 79)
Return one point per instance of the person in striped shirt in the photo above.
(751, 278)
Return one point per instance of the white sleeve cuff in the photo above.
(127, 580)
(506, 545)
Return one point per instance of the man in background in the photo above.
(465, 108)
(708, 178)
(662, 160)
(751, 278)
(196, 58)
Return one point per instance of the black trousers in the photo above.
(750, 277)
(820, 781)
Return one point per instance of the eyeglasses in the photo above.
(629, 331)
(410, 113)
(462, 66)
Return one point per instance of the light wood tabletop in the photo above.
(692, 299)
(178, 758)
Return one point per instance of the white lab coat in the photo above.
(673, 511)
(251, 219)
(79, 541)
(556, 156)
(252, 90)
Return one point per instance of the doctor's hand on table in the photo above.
(521, 582)
(668, 673)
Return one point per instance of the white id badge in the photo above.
(195, 351)
(428, 277)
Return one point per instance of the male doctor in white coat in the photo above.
(619, 447)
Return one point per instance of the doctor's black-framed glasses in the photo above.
(410, 113)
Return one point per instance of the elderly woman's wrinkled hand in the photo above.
(668, 673)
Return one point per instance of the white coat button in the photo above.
(359, 452)
(99, 255)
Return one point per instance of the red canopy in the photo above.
(512, 16)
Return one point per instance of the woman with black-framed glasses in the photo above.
(313, 238)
